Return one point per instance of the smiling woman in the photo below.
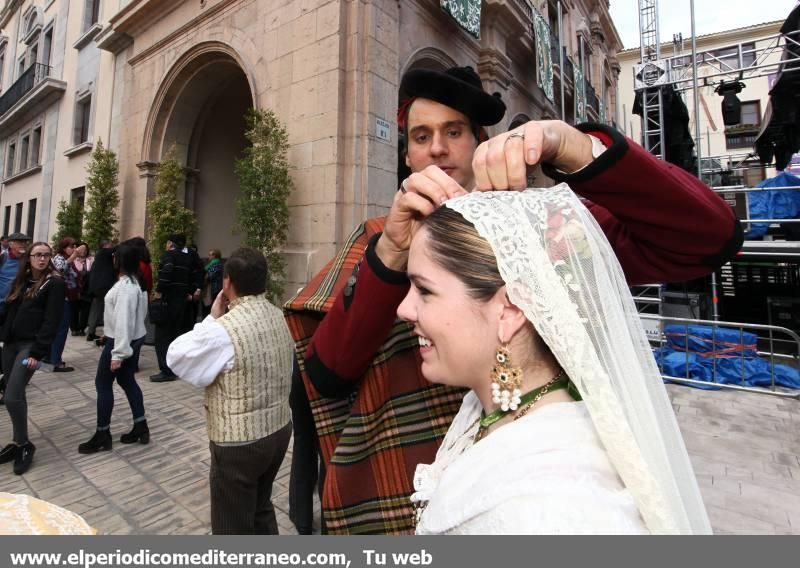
(518, 297)
(30, 318)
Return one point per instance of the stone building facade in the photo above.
(183, 72)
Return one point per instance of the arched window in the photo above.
(32, 25)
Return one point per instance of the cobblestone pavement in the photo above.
(744, 448)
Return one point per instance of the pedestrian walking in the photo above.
(63, 260)
(101, 278)
(80, 302)
(125, 310)
(34, 309)
(176, 287)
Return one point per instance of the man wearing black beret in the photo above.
(376, 416)
(177, 284)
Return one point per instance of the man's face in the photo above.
(439, 135)
(4, 243)
(18, 247)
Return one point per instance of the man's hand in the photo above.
(502, 161)
(33, 363)
(156, 295)
(220, 305)
(115, 365)
(424, 192)
(196, 295)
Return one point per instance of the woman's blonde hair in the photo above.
(456, 246)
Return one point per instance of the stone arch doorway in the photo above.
(201, 108)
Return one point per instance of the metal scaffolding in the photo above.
(650, 72)
(681, 71)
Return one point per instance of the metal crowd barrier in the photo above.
(766, 333)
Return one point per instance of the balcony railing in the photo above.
(592, 101)
(31, 77)
(569, 67)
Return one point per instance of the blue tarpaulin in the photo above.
(732, 353)
(778, 204)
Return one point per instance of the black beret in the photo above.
(177, 239)
(459, 88)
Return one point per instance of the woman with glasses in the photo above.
(28, 326)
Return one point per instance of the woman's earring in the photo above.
(506, 381)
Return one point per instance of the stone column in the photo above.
(370, 78)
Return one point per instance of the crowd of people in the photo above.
(470, 363)
(49, 292)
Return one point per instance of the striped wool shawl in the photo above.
(373, 440)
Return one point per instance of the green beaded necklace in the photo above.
(560, 381)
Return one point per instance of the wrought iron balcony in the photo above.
(592, 101)
(33, 92)
(569, 67)
(31, 77)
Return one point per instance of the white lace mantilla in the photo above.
(560, 270)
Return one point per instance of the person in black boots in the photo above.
(176, 286)
(125, 310)
(34, 308)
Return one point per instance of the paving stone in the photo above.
(744, 449)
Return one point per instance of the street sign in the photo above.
(383, 130)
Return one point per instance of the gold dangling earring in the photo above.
(506, 380)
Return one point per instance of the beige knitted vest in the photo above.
(251, 400)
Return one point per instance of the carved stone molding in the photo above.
(495, 67)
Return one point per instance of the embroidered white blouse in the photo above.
(546, 473)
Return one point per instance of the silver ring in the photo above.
(516, 134)
(403, 186)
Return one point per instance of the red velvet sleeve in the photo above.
(664, 224)
(352, 332)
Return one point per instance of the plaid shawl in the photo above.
(372, 441)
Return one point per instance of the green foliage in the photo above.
(102, 198)
(69, 220)
(265, 184)
(166, 214)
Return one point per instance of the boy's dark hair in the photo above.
(247, 270)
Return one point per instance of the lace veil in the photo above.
(561, 271)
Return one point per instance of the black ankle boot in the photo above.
(100, 442)
(140, 433)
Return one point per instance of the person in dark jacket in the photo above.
(196, 278)
(176, 286)
(101, 278)
(9, 263)
(212, 280)
(34, 309)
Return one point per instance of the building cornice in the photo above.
(708, 41)
(131, 30)
(8, 11)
